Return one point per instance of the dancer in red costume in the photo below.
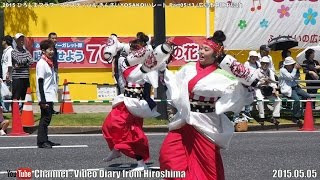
(122, 128)
(201, 92)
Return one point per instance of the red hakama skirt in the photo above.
(123, 131)
(185, 149)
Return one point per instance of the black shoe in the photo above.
(299, 123)
(275, 122)
(45, 145)
(55, 112)
(53, 144)
(261, 121)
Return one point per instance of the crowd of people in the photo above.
(200, 93)
(285, 83)
(16, 61)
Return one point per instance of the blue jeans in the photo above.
(297, 92)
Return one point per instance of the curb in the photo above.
(161, 128)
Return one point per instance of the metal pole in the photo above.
(207, 19)
(159, 38)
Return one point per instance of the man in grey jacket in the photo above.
(290, 88)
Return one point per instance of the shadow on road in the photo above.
(129, 166)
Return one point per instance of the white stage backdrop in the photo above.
(251, 23)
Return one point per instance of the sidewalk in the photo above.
(80, 108)
(107, 108)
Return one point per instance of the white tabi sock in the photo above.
(141, 166)
(112, 155)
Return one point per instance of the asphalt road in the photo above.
(260, 155)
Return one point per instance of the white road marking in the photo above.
(35, 147)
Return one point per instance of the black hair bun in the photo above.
(219, 36)
(143, 37)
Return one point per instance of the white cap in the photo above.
(253, 53)
(265, 59)
(289, 61)
(18, 35)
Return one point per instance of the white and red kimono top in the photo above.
(133, 77)
(227, 93)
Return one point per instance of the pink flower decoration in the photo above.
(284, 11)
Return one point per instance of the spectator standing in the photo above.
(21, 61)
(54, 38)
(46, 92)
(6, 63)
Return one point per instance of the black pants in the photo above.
(19, 88)
(46, 115)
(116, 76)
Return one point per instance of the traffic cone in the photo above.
(308, 118)
(27, 112)
(17, 129)
(66, 107)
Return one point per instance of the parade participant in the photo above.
(122, 128)
(201, 92)
(112, 53)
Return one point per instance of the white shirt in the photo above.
(139, 108)
(287, 80)
(6, 61)
(264, 74)
(44, 71)
(252, 66)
